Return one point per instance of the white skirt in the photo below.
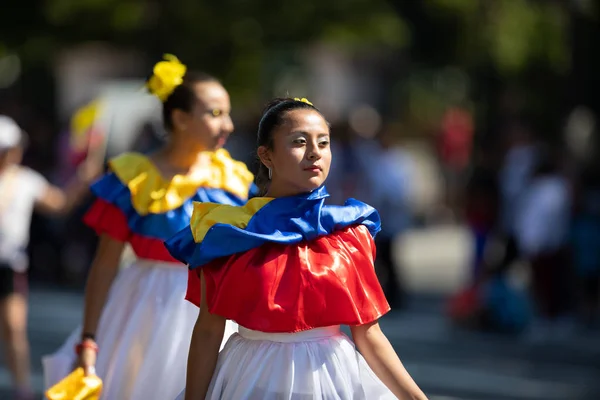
(143, 335)
(319, 364)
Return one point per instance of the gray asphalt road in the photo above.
(449, 364)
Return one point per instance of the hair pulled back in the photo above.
(183, 96)
(272, 117)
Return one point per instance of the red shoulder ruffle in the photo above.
(290, 288)
(194, 285)
(104, 217)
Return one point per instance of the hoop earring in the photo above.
(270, 174)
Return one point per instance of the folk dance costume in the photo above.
(289, 271)
(145, 329)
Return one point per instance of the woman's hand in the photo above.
(87, 351)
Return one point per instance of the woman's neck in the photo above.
(6, 166)
(179, 156)
(283, 191)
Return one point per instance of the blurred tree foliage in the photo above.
(511, 34)
(459, 49)
(496, 55)
(230, 38)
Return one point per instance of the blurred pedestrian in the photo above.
(585, 241)
(390, 171)
(542, 223)
(22, 191)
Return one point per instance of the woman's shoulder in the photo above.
(217, 231)
(136, 177)
(229, 174)
(128, 166)
(206, 215)
(133, 180)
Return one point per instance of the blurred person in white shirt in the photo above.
(516, 171)
(514, 177)
(22, 191)
(542, 223)
(388, 170)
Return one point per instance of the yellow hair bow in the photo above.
(304, 100)
(168, 74)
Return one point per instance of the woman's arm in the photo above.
(102, 274)
(56, 201)
(59, 202)
(381, 357)
(204, 350)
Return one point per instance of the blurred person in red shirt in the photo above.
(455, 143)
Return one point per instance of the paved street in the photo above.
(449, 364)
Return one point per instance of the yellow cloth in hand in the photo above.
(76, 386)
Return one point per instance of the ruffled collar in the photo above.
(218, 230)
(151, 193)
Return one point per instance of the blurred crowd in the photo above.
(534, 206)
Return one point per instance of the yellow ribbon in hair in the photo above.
(303, 100)
(76, 386)
(168, 74)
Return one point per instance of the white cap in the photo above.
(10, 133)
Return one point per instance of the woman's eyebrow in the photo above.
(304, 133)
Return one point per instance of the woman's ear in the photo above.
(264, 154)
(180, 120)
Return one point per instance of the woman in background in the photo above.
(136, 326)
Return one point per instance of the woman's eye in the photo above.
(324, 143)
(299, 141)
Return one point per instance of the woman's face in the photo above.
(301, 155)
(208, 124)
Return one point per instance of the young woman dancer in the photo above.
(289, 270)
(136, 326)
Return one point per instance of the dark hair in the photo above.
(24, 142)
(272, 117)
(183, 96)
